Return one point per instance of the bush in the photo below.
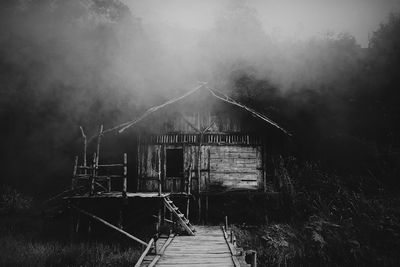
(12, 201)
(334, 222)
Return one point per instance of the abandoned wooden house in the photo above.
(205, 143)
(196, 146)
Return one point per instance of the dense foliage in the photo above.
(334, 222)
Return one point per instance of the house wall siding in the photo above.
(222, 167)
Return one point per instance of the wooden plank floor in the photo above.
(207, 248)
(118, 194)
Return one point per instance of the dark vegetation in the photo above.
(26, 239)
(66, 64)
(334, 221)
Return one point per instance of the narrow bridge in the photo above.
(209, 247)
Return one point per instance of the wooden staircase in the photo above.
(183, 221)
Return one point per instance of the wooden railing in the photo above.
(95, 179)
(215, 138)
(238, 255)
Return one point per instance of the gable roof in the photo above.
(217, 94)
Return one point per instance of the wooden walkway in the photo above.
(207, 248)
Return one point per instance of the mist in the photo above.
(66, 64)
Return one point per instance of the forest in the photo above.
(65, 64)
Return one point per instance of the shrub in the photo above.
(12, 201)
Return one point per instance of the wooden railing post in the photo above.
(74, 173)
(84, 148)
(125, 181)
(253, 258)
(94, 173)
(98, 144)
(226, 223)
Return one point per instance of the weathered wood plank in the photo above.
(207, 248)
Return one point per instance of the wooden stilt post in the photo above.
(187, 206)
(199, 177)
(139, 165)
(74, 173)
(120, 219)
(94, 174)
(199, 208)
(155, 238)
(78, 220)
(159, 172)
(164, 211)
(171, 218)
(89, 228)
(188, 190)
(71, 225)
(159, 215)
(125, 181)
(206, 215)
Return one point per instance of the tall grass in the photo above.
(27, 240)
(21, 251)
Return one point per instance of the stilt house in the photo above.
(203, 143)
(198, 145)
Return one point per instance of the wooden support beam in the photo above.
(125, 179)
(109, 225)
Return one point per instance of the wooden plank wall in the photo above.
(222, 167)
(236, 167)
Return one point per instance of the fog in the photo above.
(70, 63)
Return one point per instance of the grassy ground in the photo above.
(23, 243)
(28, 240)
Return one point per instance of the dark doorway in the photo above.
(174, 164)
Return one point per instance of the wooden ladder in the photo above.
(183, 221)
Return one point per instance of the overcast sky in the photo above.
(288, 18)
